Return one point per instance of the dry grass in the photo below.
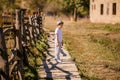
(93, 59)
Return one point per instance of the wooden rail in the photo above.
(16, 32)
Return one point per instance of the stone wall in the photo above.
(107, 16)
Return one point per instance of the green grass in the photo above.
(35, 58)
(30, 73)
(87, 77)
(93, 48)
(107, 27)
(101, 48)
(112, 44)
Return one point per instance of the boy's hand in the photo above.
(62, 43)
(57, 44)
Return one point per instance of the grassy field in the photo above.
(95, 48)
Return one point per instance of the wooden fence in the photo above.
(16, 32)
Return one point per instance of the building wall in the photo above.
(107, 17)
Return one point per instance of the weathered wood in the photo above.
(17, 27)
(30, 19)
(12, 67)
(51, 69)
(23, 33)
(18, 38)
(4, 57)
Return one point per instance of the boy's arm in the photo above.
(62, 42)
(57, 38)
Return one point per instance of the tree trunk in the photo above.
(74, 15)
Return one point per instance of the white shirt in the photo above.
(59, 33)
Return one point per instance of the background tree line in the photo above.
(71, 8)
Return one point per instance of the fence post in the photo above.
(18, 28)
(18, 38)
(22, 20)
(4, 68)
(39, 21)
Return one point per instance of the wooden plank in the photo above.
(60, 75)
(54, 70)
(51, 69)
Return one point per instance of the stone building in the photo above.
(105, 11)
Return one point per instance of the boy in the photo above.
(58, 40)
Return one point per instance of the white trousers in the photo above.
(58, 51)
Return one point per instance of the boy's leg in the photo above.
(57, 53)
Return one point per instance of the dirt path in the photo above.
(52, 70)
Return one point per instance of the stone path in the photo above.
(52, 70)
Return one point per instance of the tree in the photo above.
(7, 5)
(72, 7)
(84, 7)
(53, 6)
(35, 4)
(69, 8)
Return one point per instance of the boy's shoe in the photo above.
(59, 61)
